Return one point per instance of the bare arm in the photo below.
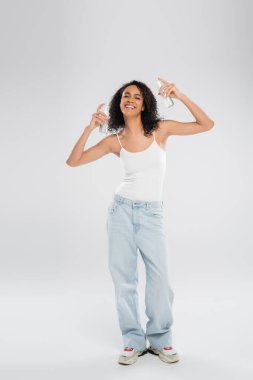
(78, 148)
(79, 156)
(202, 124)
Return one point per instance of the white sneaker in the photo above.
(166, 354)
(129, 355)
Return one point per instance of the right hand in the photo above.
(98, 118)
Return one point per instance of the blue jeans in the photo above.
(134, 225)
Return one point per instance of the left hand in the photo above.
(169, 89)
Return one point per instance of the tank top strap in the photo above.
(119, 140)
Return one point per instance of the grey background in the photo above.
(59, 60)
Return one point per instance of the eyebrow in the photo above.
(127, 92)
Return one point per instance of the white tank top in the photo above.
(144, 173)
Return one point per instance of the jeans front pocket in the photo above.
(112, 207)
(155, 210)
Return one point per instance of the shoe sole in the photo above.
(167, 359)
(131, 360)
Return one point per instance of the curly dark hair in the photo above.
(149, 116)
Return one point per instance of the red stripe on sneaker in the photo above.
(167, 348)
(128, 349)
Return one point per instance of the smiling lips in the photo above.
(129, 106)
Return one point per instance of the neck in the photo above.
(133, 126)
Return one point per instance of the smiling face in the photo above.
(131, 101)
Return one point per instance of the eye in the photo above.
(138, 98)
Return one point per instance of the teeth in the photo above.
(129, 107)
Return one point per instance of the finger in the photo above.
(100, 106)
(99, 117)
(163, 80)
(102, 114)
(102, 118)
(163, 89)
(167, 87)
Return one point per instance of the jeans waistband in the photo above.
(135, 202)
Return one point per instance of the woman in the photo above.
(135, 215)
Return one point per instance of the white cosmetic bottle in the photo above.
(104, 127)
(166, 99)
